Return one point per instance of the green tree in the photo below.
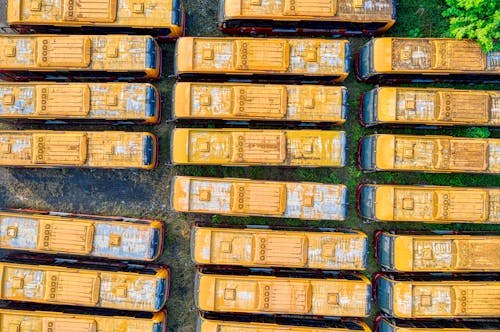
(475, 19)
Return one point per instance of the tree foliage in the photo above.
(475, 19)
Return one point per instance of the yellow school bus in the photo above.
(86, 235)
(330, 250)
(57, 285)
(206, 325)
(403, 252)
(386, 324)
(431, 204)
(255, 147)
(164, 19)
(430, 106)
(424, 297)
(279, 295)
(243, 197)
(292, 17)
(426, 60)
(103, 149)
(307, 60)
(46, 321)
(122, 102)
(426, 153)
(247, 102)
(63, 57)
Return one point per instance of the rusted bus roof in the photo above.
(90, 288)
(436, 204)
(458, 253)
(365, 10)
(260, 102)
(119, 101)
(439, 54)
(205, 325)
(260, 294)
(321, 10)
(316, 57)
(40, 321)
(438, 153)
(414, 153)
(258, 247)
(115, 13)
(258, 147)
(75, 52)
(446, 299)
(442, 253)
(439, 106)
(445, 205)
(113, 149)
(248, 197)
(75, 235)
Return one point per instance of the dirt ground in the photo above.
(146, 193)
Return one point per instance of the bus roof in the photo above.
(303, 200)
(446, 299)
(72, 234)
(385, 151)
(53, 52)
(45, 148)
(43, 320)
(262, 247)
(321, 10)
(243, 101)
(84, 287)
(427, 203)
(319, 148)
(441, 253)
(437, 153)
(230, 55)
(438, 105)
(116, 13)
(430, 55)
(205, 325)
(78, 101)
(323, 297)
